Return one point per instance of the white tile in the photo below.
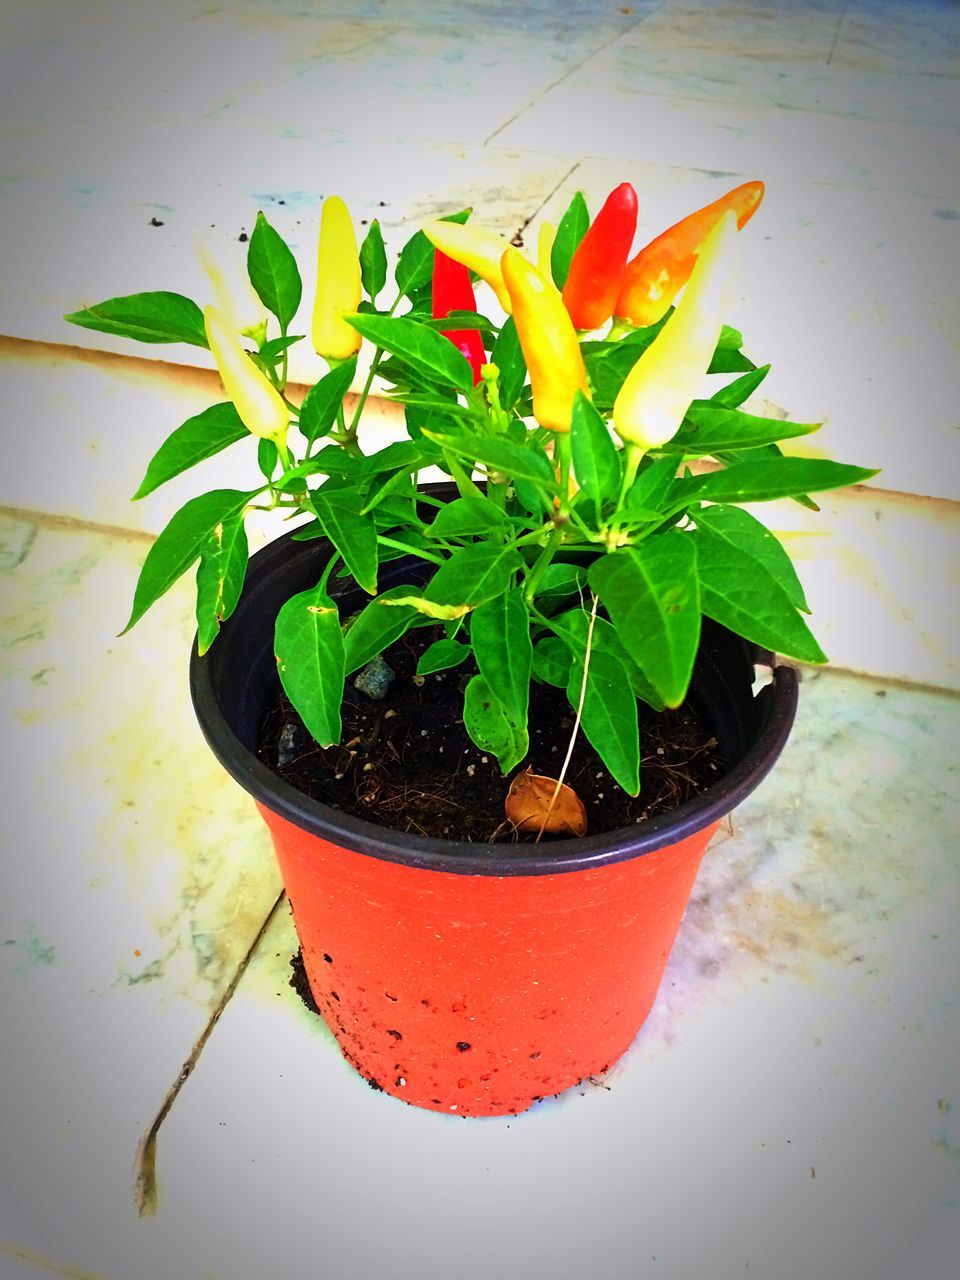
(920, 38)
(794, 1081)
(598, 114)
(789, 84)
(135, 876)
(757, 32)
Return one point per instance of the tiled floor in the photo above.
(790, 1108)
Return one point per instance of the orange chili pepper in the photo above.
(655, 276)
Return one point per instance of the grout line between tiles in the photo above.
(836, 36)
(560, 79)
(64, 1270)
(145, 1163)
(518, 237)
(75, 525)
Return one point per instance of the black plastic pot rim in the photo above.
(465, 858)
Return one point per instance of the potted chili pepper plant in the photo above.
(440, 695)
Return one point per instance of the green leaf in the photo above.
(734, 393)
(442, 655)
(310, 660)
(383, 488)
(596, 459)
(559, 580)
(454, 321)
(181, 542)
(551, 661)
(353, 535)
(198, 438)
(415, 264)
(146, 317)
(267, 458)
(519, 462)
(714, 429)
(743, 585)
(427, 352)
(376, 628)
(609, 717)
(273, 272)
(765, 480)
(500, 636)
(220, 575)
(574, 627)
(489, 726)
(465, 517)
(270, 352)
(573, 227)
(650, 490)
(507, 355)
(474, 574)
(729, 360)
(318, 413)
(755, 541)
(440, 612)
(651, 596)
(373, 261)
(406, 455)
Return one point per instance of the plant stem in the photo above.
(419, 552)
(540, 564)
(365, 392)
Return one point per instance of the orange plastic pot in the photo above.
(470, 979)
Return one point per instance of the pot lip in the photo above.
(466, 858)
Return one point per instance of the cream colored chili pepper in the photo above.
(658, 390)
(235, 296)
(478, 248)
(255, 398)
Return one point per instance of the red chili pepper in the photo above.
(597, 266)
(656, 275)
(452, 291)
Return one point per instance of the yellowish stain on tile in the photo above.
(784, 932)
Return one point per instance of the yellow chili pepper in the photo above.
(476, 247)
(545, 239)
(255, 398)
(658, 390)
(548, 340)
(339, 287)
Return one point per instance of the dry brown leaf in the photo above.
(528, 803)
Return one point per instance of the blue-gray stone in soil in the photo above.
(375, 678)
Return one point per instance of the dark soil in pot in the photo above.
(406, 761)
